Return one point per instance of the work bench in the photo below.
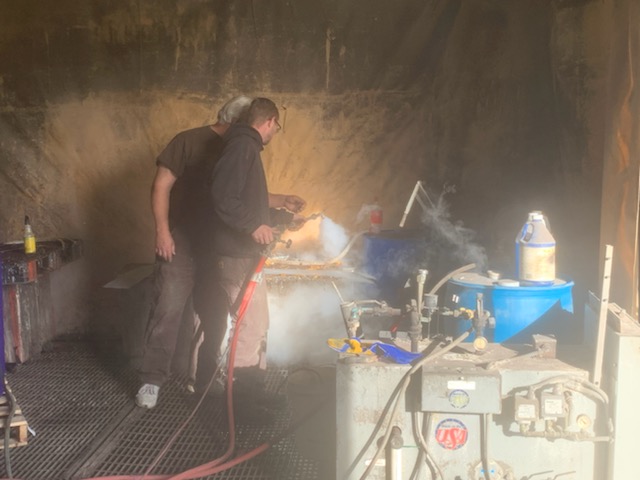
(28, 313)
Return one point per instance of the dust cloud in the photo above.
(303, 317)
(305, 311)
(318, 241)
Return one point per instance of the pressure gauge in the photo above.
(480, 343)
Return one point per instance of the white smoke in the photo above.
(331, 239)
(303, 316)
(305, 312)
(456, 238)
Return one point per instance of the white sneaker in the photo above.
(147, 396)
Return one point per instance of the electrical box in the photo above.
(526, 410)
(552, 406)
(460, 389)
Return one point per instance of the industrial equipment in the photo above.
(475, 378)
(485, 409)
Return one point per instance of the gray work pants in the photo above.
(173, 287)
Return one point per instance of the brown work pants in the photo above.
(230, 277)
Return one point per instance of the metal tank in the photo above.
(504, 411)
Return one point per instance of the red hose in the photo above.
(219, 465)
(209, 468)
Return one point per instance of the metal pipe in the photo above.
(421, 279)
(331, 261)
(484, 444)
(596, 375)
(446, 278)
(419, 188)
(394, 454)
(415, 328)
(412, 199)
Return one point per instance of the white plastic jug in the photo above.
(536, 252)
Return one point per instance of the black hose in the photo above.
(417, 467)
(388, 407)
(427, 421)
(420, 459)
(394, 402)
(7, 428)
(419, 432)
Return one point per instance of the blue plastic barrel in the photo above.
(519, 311)
(391, 257)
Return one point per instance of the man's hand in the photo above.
(160, 194)
(294, 203)
(263, 235)
(165, 246)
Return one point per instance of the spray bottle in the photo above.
(375, 217)
(29, 237)
(374, 212)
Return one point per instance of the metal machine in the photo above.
(498, 385)
(478, 410)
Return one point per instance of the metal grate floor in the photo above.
(78, 400)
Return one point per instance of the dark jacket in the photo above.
(240, 195)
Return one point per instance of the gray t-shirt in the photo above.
(191, 156)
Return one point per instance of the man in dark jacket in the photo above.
(245, 215)
(179, 197)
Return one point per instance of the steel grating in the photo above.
(80, 404)
(67, 396)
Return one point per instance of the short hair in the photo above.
(234, 110)
(261, 110)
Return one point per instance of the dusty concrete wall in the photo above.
(500, 99)
(621, 179)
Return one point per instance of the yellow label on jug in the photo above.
(538, 264)
(30, 244)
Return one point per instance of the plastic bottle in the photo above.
(374, 213)
(375, 217)
(536, 252)
(29, 237)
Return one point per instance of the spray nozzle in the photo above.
(298, 223)
(314, 216)
(287, 243)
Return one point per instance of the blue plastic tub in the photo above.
(519, 311)
(391, 257)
